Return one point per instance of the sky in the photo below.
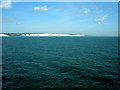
(89, 18)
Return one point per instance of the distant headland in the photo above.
(38, 34)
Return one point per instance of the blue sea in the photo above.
(60, 63)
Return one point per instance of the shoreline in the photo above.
(23, 34)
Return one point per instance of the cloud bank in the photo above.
(101, 19)
(5, 4)
(41, 9)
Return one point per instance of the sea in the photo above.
(60, 63)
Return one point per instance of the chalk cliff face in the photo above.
(37, 34)
(51, 35)
(3, 35)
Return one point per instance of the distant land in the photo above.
(38, 34)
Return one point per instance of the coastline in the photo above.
(37, 34)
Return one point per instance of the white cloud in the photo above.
(18, 23)
(41, 9)
(101, 19)
(85, 11)
(110, 8)
(5, 4)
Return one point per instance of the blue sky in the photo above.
(90, 18)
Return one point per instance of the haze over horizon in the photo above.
(89, 18)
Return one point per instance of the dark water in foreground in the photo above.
(35, 63)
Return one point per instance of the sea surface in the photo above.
(60, 63)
